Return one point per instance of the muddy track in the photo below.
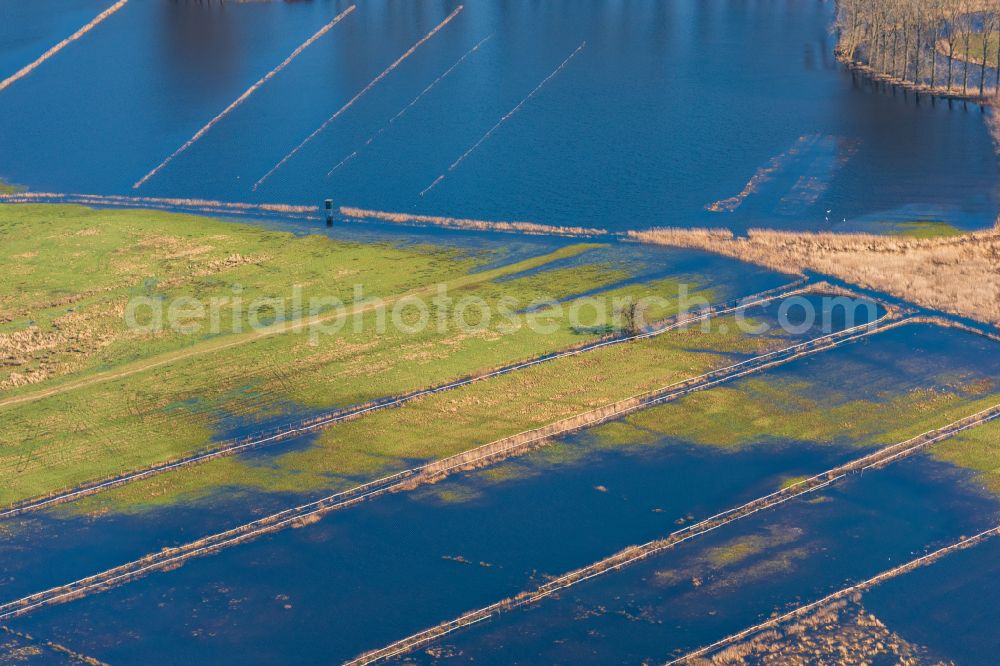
(323, 421)
(492, 452)
(638, 553)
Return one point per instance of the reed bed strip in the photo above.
(507, 116)
(926, 560)
(296, 429)
(388, 70)
(950, 274)
(190, 205)
(244, 97)
(28, 69)
(409, 106)
(428, 473)
(528, 228)
(634, 554)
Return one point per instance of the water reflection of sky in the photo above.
(669, 107)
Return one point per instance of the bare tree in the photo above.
(934, 17)
(964, 27)
(997, 83)
(895, 37)
(949, 14)
(989, 25)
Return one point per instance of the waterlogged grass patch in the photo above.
(742, 548)
(74, 270)
(977, 450)
(739, 560)
(790, 481)
(452, 422)
(452, 493)
(772, 408)
(926, 229)
(141, 417)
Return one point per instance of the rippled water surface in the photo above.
(668, 108)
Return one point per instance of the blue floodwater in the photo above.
(678, 601)
(670, 107)
(949, 607)
(367, 575)
(72, 546)
(358, 580)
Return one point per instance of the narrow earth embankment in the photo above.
(429, 473)
(320, 422)
(926, 560)
(635, 554)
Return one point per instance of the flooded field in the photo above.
(339, 587)
(75, 538)
(631, 453)
(708, 113)
(664, 607)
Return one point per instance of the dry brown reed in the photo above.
(474, 225)
(959, 275)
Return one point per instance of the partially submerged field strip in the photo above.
(28, 69)
(522, 409)
(507, 116)
(628, 556)
(374, 82)
(194, 260)
(490, 453)
(170, 403)
(320, 422)
(691, 458)
(805, 609)
(243, 97)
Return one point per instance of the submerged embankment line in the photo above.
(433, 471)
(316, 423)
(912, 565)
(244, 97)
(507, 116)
(374, 82)
(635, 554)
(466, 224)
(409, 106)
(96, 21)
(185, 205)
